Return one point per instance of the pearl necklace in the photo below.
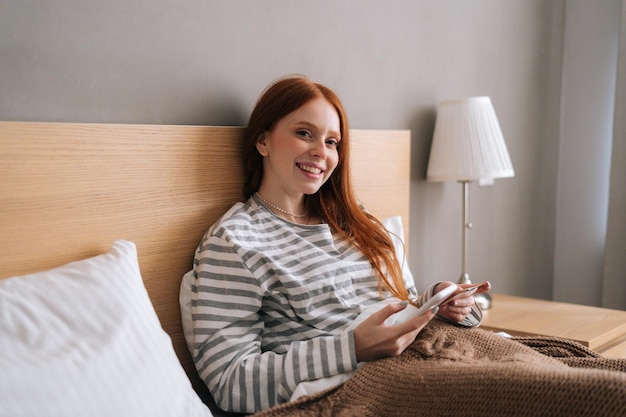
(275, 207)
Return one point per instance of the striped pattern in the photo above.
(272, 304)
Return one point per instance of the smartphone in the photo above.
(466, 291)
(411, 311)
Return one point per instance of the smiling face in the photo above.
(300, 152)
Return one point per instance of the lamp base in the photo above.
(483, 300)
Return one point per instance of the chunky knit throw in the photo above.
(452, 371)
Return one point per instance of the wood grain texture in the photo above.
(67, 191)
(600, 329)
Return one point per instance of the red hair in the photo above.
(335, 202)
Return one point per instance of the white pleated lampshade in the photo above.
(468, 143)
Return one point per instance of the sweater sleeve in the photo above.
(228, 330)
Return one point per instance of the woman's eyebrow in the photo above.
(306, 123)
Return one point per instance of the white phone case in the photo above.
(411, 311)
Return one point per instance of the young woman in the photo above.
(281, 279)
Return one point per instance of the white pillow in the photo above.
(395, 229)
(84, 340)
(393, 226)
(184, 298)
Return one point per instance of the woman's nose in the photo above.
(319, 149)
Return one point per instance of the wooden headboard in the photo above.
(67, 191)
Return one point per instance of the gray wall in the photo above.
(391, 61)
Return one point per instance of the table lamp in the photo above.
(468, 146)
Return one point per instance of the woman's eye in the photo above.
(332, 142)
(305, 133)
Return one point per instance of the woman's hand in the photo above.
(461, 302)
(373, 339)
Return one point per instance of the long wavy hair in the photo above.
(335, 202)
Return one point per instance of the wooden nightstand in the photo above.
(600, 329)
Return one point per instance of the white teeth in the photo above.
(312, 170)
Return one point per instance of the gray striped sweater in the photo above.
(272, 304)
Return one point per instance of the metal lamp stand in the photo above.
(483, 300)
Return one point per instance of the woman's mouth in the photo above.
(310, 169)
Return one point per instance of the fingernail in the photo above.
(403, 303)
(435, 309)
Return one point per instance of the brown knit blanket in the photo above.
(452, 371)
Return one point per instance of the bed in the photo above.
(68, 191)
(98, 225)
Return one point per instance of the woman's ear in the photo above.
(261, 144)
